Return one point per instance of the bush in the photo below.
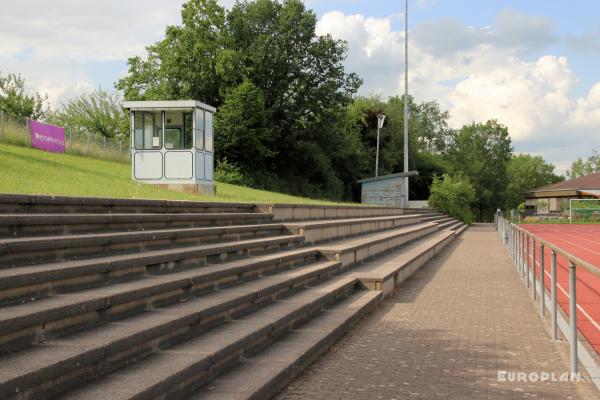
(453, 196)
(227, 172)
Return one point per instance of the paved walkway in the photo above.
(445, 334)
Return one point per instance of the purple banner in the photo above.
(47, 137)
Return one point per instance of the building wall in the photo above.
(384, 192)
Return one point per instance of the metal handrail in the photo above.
(570, 257)
(516, 240)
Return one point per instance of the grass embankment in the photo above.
(31, 171)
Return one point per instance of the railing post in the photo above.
(573, 317)
(553, 295)
(515, 247)
(527, 262)
(533, 294)
(542, 284)
(522, 263)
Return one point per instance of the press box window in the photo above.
(147, 130)
(178, 130)
(199, 129)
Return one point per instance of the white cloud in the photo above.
(51, 43)
(479, 74)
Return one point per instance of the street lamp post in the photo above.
(380, 120)
(406, 98)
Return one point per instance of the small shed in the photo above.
(172, 144)
(386, 190)
(554, 198)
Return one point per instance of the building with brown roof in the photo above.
(554, 198)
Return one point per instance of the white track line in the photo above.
(574, 244)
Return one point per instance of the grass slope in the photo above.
(31, 171)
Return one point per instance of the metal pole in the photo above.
(533, 294)
(406, 97)
(542, 285)
(512, 243)
(515, 247)
(521, 253)
(573, 316)
(527, 263)
(553, 295)
(377, 153)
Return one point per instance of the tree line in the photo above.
(289, 118)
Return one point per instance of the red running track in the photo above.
(582, 241)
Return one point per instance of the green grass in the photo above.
(31, 171)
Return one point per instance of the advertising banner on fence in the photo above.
(47, 137)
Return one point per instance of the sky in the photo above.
(531, 64)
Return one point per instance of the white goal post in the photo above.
(578, 200)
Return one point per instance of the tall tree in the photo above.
(580, 167)
(98, 112)
(481, 152)
(184, 64)
(16, 102)
(527, 172)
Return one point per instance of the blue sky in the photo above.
(531, 64)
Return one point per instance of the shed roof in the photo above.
(390, 176)
(586, 182)
(162, 104)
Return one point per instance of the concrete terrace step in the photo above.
(323, 230)
(446, 223)
(22, 283)
(305, 212)
(264, 374)
(387, 272)
(460, 229)
(101, 350)
(433, 218)
(20, 225)
(35, 322)
(358, 249)
(455, 225)
(22, 203)
(35, 250)
(178, 370)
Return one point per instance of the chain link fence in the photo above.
(15, 130)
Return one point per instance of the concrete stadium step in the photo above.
(22, 225)
(31, 250)
(446, 223)
(306, 212)
(31, 323)
(48, 369)
(460, 229)
(433, 218)
(324, 230)
(177, 371)
(35, 250)
(41, 204)
(411, 210)
(355, 250)
(455, 225)
(388, 271)
(264, 374)
(26, 282)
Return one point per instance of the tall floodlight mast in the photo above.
(406, 98)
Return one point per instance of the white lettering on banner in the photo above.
(48, 139)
